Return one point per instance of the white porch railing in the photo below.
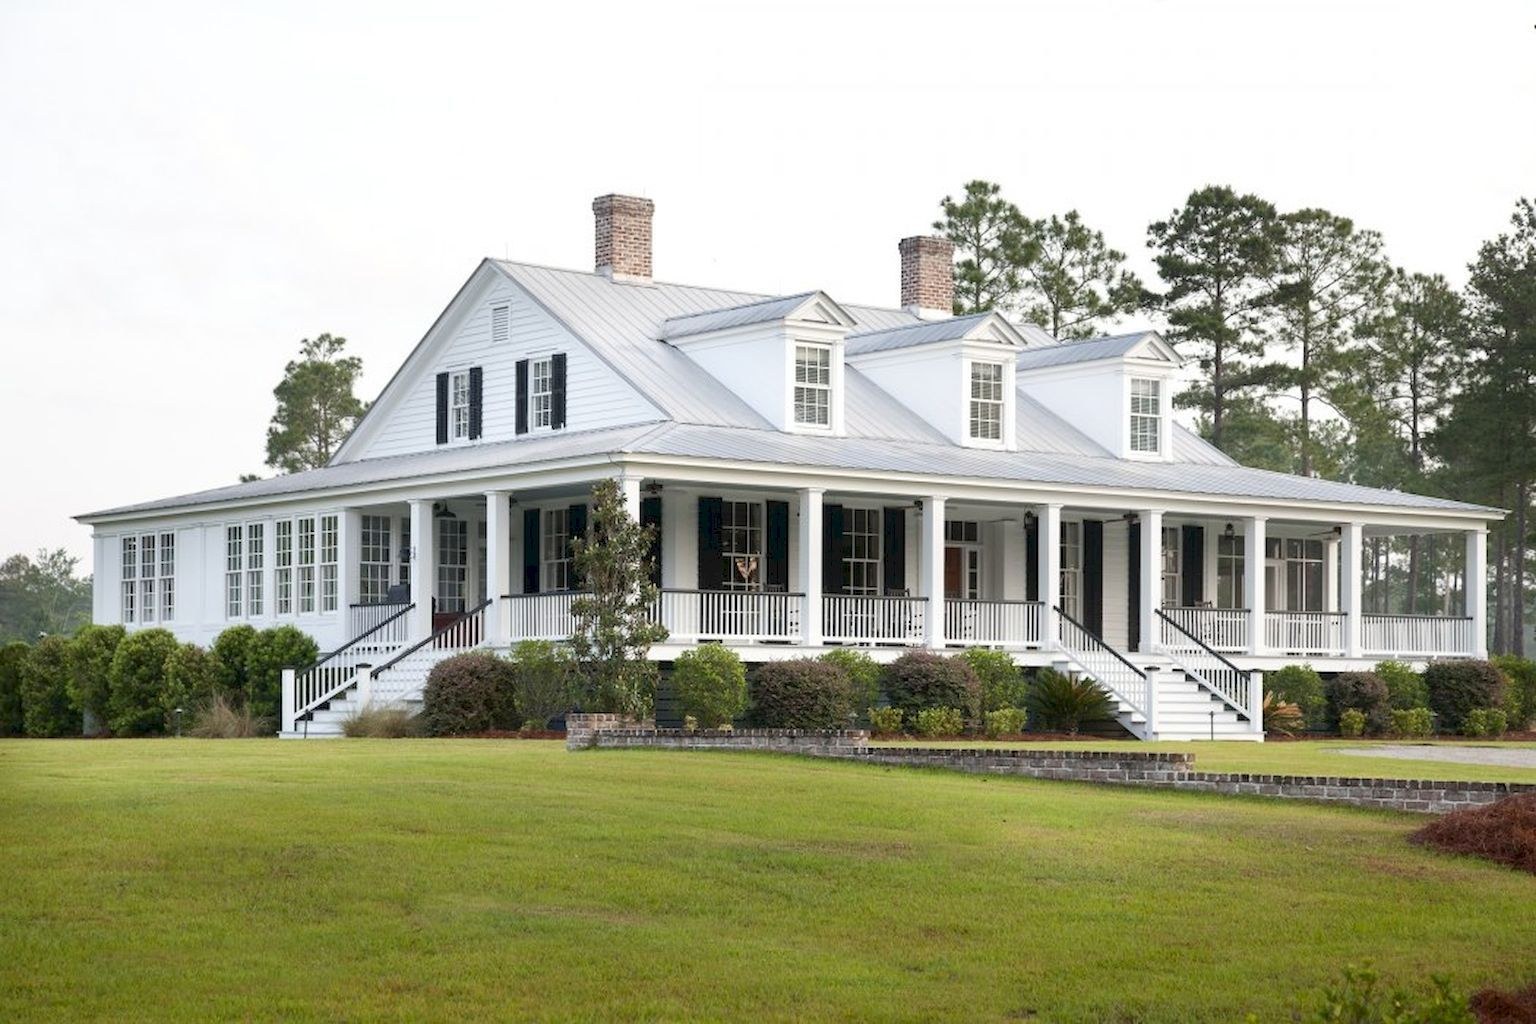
(1102, 663)
(1319, 633)
(999, 623)
(749, 615)
(540, 616)
(1221, 629)
(404, 675)
(1415, 634)
(335, 672)
(847, 619)
(364, 618)
(1202, 664)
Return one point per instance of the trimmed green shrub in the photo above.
(862, 673)
(1405, 687)
(544, 681)
(46, 707)
(1459, 686)
(1364, 692)
(1352, 723)
(90, 665)
(710, 684)
(13, 720)
(1300, 685)
(1059, 703)
(1002, 684)
(1481, 723)
(269, 652)
(231, 648)
(138, 679)
(469, 693)
(1520, 690)
(885, 721)
(932, 723)
(922, 679)
(805, 693)
(1413, 723)
(191, 681)
(1006, 722)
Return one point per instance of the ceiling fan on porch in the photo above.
(440, 510)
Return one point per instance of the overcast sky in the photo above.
(185, 194)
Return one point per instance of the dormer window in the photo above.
(813, 385)
(1146, 416)
(986, 401)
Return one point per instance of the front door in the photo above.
(962, 572)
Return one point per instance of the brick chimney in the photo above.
(928, 276)
(623, 237)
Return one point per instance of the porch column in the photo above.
(1151, 596)
(1048, 537)
(498, 566)
(1476, 586)
(1349, 587)
(629, 487)
(1253, 581)
(932, 578)
(350, 547)
(810, 565)
(423, 568)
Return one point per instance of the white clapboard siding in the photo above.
(596, 396)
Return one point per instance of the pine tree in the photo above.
(1076, 280)
(316, 408)
(992, 241)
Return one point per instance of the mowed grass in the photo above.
(1299, 757)
(468, 880)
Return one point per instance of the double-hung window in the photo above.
(306, 532)
(329, 549)
(282, 553)
(374, 558)
(1229, 571)
(555, 550)
(861, 568)
(130, 578)
(987, 401)
(167, 577)
(149, 578)
(741, 544)
(1173, 564)
(1146, 416)
(813, 385)
(541, 391)
(458, 405)
(234, 570)
(255, 567)
(1072, 569)
(452, 564)
(147, 563)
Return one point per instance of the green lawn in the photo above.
(1306, 757)
(469, 880)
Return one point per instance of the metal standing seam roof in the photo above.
(1064, 352)
(761, 312)
(924, 332)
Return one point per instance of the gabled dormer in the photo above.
(957, 374)
(783, 356)
(1117, 390)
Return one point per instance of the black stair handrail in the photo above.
(374, 674)
(356, 640)
(1120, 657)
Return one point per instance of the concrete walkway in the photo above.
(1504, 757)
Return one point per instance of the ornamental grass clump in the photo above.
(1281, 717)
(381, 724)
(223, 718)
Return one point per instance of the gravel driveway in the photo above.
(1504, 757)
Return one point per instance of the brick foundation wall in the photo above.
(844, 743)
(1125, 767)
(1417, 795)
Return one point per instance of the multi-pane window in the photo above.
(483, 587)
(329, 550)
(1303, 574)
(541, 391)
(1229, 571)
(741, 544)
(987, 401)
(255, 567)
(458, 405)
(1146, 415)
(861, 566)
(306, 532)
(962, 531)
(234, 570)
(813, 385)
(130, 578)
(1072, 569)
(500, 321)
(1173, 593)
(452, 564)
(405, 551)
(147, 564)
(167, 577)
(282, 554)
(555, 550)
(374, 559)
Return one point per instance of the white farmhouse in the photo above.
(821, 474)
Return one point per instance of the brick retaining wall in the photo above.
(1129, 767)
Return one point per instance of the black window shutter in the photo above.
(711, 570)
(1032, 559)
(557, 391)
(1093, 577)
(893, 550)
(832, 550)
(531, 551)
(1133, 589)
(522, 396)
(650, 515)
(476, 384)
(776, 545)
(1192, 565)
(442, 408)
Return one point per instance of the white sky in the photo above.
(185, 193)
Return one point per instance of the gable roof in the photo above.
(1065, 352)
(816, 306)
(989, 326)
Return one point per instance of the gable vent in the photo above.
(501, 319)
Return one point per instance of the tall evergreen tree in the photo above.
(1215, 255)
(1076, 280)
(993, 243)
(316, 408)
